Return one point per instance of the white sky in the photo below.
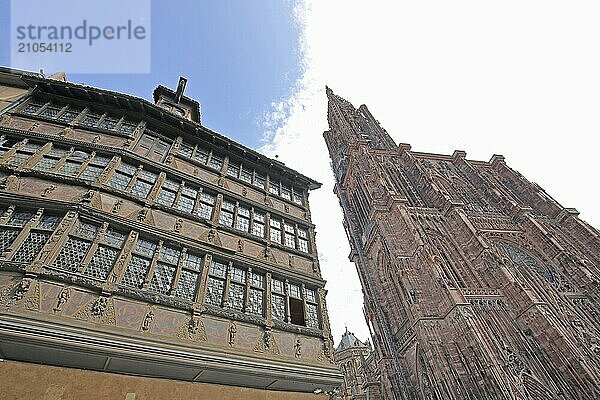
(517, 78)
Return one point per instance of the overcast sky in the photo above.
(518, 78)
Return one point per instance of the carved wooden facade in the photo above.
(478, 285)
(128, 230)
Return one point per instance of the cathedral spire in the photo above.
(344, 119)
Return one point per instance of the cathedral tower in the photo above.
(477, 283)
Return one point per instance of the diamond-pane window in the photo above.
(201, 156)
(236, 296)
(169, 254)
(259, 181)
(7, 237)
(295, 291)
(246, 175)
(68, 116)
(258, 281)
(31, 246)
(256, 301)
(312, 317)
(101, 262)
(162, 278)
(187, 284)
(310, 296)
(71, 254)
(277, 286)
(113, 238)
(136, 271)
(49, 222)
(216, 162)
(278, 307)
(86, 230)
(186, 150)
(214, 291)
(233, 169)
(145, 247)
(238, 275)
(193, 262)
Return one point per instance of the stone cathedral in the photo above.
(477, 284)
(145, 256)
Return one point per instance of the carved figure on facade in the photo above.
(193, 330)
(266, 343)
(232, 332)
(147, 322)
(63, 297)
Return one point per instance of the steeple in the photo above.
(351, 124)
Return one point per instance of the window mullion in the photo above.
(109, 171)
(84, 164)
(13, 150)
(118, 269)
(227, 284)
(178, 194)
(62, 160)
(247, 306)
(180, 262)
(36, 157)
(201, 290)
(153, 194)
(88, 257)
(133, 179)
(153, 263)
(268, 301)
(286, 288)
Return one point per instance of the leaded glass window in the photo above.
(69, 115)
(138, 266)
(233, 169)
(187, 199)
(94, 168)
(12, 228)
(108, 123)
(36, 239)
(242, 221)
(206, 205)
(295, 291)
(23, 154)
(290, 237)
(303, 240)
(278, 306)
(258, 224)
(122, 176)
(168, 193)
(77, 246)
(128, 127)
(226, 216)
(257, 284)
(246, 175)
(6, 144)
(105, 255)
(274, 187)
(312, 314)
(275, 230)
(259, 180)
(298, 198)
(73, 163)
(164, 272)
(185, 149)
(188, 279)
(216, 283)
(33, 107)
(143, 183)
(50, 159)
(91, 119)
(51, 111)
(216, 162)
(286, 192)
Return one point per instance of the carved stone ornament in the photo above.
(87, 197)
(48, 190)
(193, 330)
(33, 126)
(266, 343)
(232, 331)
(24, 294)
(240, 245)
(298, 349)
(286, 208)
(178, 225)
(63, 297)
(117, 206)
(147, 322)
(142, 214)
(96, 139)
(101, 310)
(244, 192)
